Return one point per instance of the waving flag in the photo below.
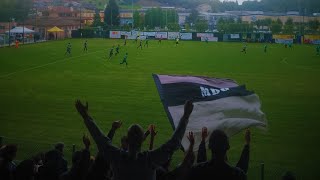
(218, 104)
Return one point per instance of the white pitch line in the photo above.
(284, 60)
(44, 65)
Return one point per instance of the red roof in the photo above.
(50, 22)
(60, 9)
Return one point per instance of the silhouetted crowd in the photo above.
(129, 161)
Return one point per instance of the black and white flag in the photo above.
(218, 104)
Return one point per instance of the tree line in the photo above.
(14, 9)
(268, 25)
(303, 6)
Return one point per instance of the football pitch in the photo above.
(39, 85)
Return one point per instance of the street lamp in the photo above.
(132, 15)
(80, 21)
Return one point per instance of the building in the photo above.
(182, 18)
(213, 18)
(66, 18)
(126, 17)
(282, 16)
(5, 26)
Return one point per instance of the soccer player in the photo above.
(111, 52)
(207, 40)
(17, 44)
(147, 42)
(125, 41)
(318, 50)
(117, 49)
(125, 59)
(159, 42)
(85, 46)
(68, 52)
(177, 41)
(244, 49)
(140, 44)
(265, 48)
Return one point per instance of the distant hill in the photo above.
(124, 4)
(148, 3)
(306, 6)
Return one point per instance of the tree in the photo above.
(201, 25)
(276, 26)
(18, 10)
(311, 6)
(221, 25)
(258, 23)
(215, 6)
(193, 17)
(97, 20)
(173, 27)
(157, 17)
(136, 19)
(187, 27)
(111, 14)
(268, 22)
(313, 25)
(289, 26)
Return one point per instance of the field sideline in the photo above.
(39, 86)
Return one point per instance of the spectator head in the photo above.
(9, 152)
(288, 176)
(124, 143)
(52, 156)
(59, 147)
(219, 143)
(135, 137)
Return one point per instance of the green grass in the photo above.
(39, 85)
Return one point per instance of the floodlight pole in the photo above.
(132, 15)
(34, 10)
(80, 23)
(111, 18)
(9, 31)
(24, 10)
(167, 18)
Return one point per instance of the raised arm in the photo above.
(202, 152)
(115, 125)
(153, 133)
(103, 142)
(181, 172)
(243, 162)
(162, 154)
(146, 134)
(86, 142)
(189, 158)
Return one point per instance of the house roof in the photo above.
(50, 22)
(20, 30)
(60, 9)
